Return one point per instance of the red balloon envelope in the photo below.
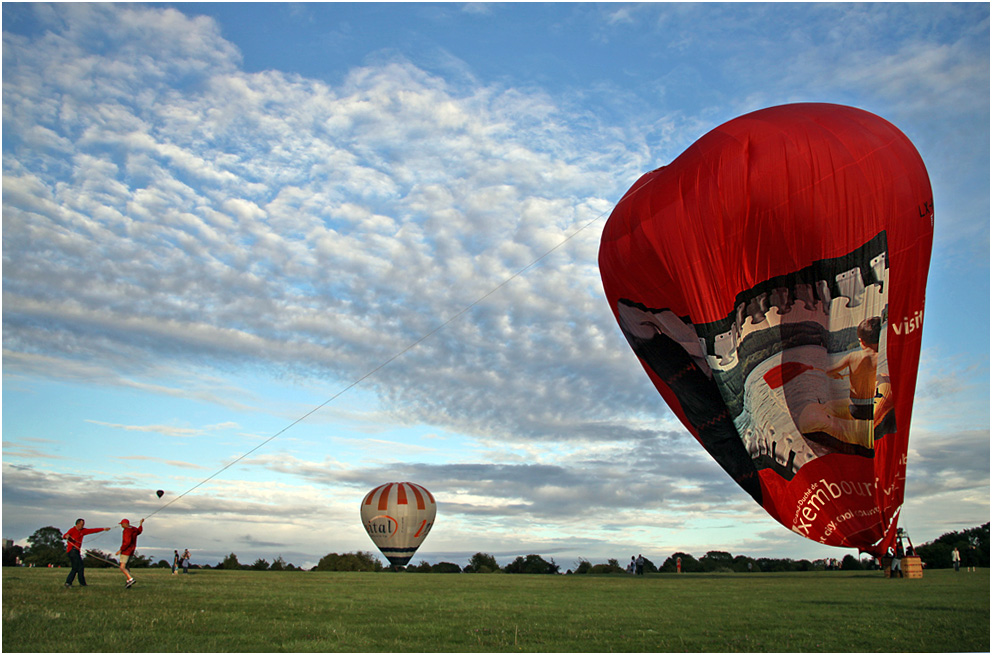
(771, 281)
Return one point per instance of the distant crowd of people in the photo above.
(180, 561)
(636, 566)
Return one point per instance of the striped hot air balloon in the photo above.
(398, 516)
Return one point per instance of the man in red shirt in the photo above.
(74, 539)
(129, 541)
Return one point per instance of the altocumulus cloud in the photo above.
(161, 205)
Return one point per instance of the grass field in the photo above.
(268, 611)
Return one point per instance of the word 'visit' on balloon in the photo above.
(771, 282)
(398, 517)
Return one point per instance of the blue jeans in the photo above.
(77, 567)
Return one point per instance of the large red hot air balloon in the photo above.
(771, 281)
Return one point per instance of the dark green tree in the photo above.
(12, 555)
(230, 563)
(278, 564)
(259, 565)
(137, 561)
(936, 555)
(611, 566)
(972, 545)
(446, 567)
(482, 563)
(46, 547)
(741, 562)
(689, 563)
(715, 560)
(769, 565)
(850, 563)
(423, 567)
(531, 564)
(360, 561)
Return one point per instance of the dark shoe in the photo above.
(68, 586)
(129, 583)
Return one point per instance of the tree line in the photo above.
(45, 547)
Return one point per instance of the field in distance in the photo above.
(270, 611)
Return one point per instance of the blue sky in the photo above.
(219, 217)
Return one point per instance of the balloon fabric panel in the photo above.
(771, 280)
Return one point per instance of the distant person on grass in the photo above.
(175, 562)
(971, 558)
(186, 557)
(74, 539)
(129, 541)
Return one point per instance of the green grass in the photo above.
(267, 611)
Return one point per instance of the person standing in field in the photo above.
(74, 546)
(186, 557)
(129, 541)
(956, 559)
(175, 562)
(639, 565)
(971, 555)
(896, 570)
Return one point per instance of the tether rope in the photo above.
(89, 553)
(385, 363)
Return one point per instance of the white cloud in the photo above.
(311, 227)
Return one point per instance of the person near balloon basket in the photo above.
(895, 570)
